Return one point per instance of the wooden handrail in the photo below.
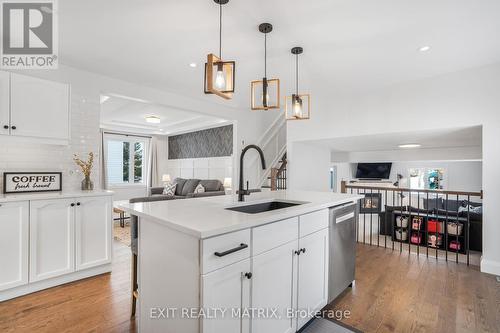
(344, 186)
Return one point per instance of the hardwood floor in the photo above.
(393, 293)
(404, 293)
(97, 304)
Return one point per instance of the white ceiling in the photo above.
(124, 114)
(348, 45)
(429, 139)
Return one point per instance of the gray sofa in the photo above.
(185, 189)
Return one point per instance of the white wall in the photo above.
(311, 167)
(461, 99)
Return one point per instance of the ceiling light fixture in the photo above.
(153, 119)
(219, 74)
(297, 106)
(192, 65)
(424, 48)
(410, 145)
(265, 93)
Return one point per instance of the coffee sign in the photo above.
(21, 182)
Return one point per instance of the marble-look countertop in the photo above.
(207, 217)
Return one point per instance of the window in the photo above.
(125, 160)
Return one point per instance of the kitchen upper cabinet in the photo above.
(52, 238)
(93, 231)
(39, 108)
(274, 284)
(313, 273)
(14, 244)
(4, 103)
(227, 288)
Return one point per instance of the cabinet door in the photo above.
(52, 238)
(313, 274)
(274, 287)
(39, 108)
(226, 288)
(4, 103)
(14, 228)
(93, 231)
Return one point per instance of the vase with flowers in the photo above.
(86, 167)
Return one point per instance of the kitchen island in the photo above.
(217, 265)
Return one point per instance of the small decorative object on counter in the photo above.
(454, 228)
(86, 167)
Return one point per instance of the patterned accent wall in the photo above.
(213, 142)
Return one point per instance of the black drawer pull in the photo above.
(6, 127)
(225, 253)
(13, 127)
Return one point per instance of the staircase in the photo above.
(277, 179)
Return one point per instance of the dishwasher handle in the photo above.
(344, 218)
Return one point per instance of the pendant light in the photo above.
(265, 92)
(297, 106)
(219, 74)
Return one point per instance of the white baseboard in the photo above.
(490, 266)
(49, 283)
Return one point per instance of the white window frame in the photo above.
(130, 139)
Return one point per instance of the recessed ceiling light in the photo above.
(193, 65)
(153, 119)
(424, 48)
(410, 145)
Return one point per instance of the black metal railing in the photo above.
(278, 175)
(438, 223)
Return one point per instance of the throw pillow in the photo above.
(199, 189)
(169, 189)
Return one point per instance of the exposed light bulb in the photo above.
(297, 106)
(267, 98)
(220, 81)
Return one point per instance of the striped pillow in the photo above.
(169, 189)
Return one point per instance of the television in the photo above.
(373, 170)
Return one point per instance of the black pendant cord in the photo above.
(297, 74)
(265, 55)
(220, 30)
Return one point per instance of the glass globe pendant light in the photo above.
(219, 74)
(265, 92)
(297, 106)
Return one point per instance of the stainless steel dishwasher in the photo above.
(342, 248)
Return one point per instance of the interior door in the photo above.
(14, 238)
(39, 108)
(4, 103)
(93, 231)
(227, 288)
(313, 274)
(274, 287)
(52, 238)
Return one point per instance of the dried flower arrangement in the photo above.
(86, 167)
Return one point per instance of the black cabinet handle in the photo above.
(6, 126)
(78, 204)
(248, 275)
(72, 204)
(297, 252)
(303, 250)
(225, 253)
(13, 127)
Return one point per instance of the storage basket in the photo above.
(402, 222)
(454, 228)
(416, 223)
(401, 234)
(434, 226)
(454, 245)
(415, 238)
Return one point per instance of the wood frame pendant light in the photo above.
(297, 106)
(265, 93)
(219, 74)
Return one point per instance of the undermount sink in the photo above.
(263, 207)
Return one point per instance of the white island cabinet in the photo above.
(50, 239)
(206, 269)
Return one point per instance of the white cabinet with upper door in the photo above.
(33, 108)
(14, 244)
(4, 103)
(227, 289)
(93, 231)
(52, 238)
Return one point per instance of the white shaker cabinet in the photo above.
(93, 231)
(227, 288)
(52, 238)
(313, 274)
(4, 103)
(14, 244)
(39, 108)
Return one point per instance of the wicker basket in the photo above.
(454, 228)
(401, 234)
(402, 222)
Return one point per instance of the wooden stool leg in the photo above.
(122, 219)
(134, 284)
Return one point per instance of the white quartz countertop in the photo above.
(207, 217)
(52, 195)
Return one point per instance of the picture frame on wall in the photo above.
(371, 203)
(29, 182)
